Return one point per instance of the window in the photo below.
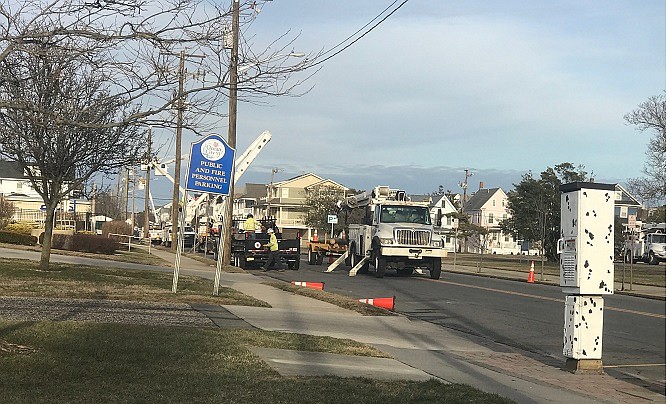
(624, 212)
(19, 186)
(490, 217)
(504, 216)
(284, 193)
(507, 238)
(503, 203)
(494, 202)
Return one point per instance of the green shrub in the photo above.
(17, 238)
(85, 243)
(20, 227)
(93, 243)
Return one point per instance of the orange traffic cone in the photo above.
(315, 238)
(312, 285)
(384, 302)
(531, 274)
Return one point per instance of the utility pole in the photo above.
(177, 165)
(125, 191)
(270, 192)
(134, 185)
(231, 134)
(464, 185)
(147, 216)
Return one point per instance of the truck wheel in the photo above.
(652, 260)
(312, 257)
(348, 258)
(380, 265)
(294, 265)
(436, 268)
(319, 258)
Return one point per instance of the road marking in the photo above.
(551, 299)
(641, 365)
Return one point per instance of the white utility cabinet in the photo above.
(583, 327)
(586, 246)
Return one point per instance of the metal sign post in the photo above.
(210, 170)
(333, 219)
(455, 225)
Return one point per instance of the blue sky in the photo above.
(502, 88)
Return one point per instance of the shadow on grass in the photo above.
(87, 362)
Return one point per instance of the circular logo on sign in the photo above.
(257, 244)
(212, 149)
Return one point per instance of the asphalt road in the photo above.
(525, 316)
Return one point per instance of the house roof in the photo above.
(327, 183)
(479, 199)
(317, 178)
(11, 169)
(255, 191)
(437, 202)
(626, 197)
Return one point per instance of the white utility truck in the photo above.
(396, 233)
(646, 243)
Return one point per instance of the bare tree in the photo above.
(107, 204)
(650, 116)
(125, 66)
(67, 131)
(136, 44)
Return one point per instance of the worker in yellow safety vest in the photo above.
(249, 227)
(273, 252)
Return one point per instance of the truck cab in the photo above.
(645, 245)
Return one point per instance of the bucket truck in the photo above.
(396, 233)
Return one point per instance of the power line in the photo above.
(361, 36)
(360, 29)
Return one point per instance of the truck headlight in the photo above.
(435, 243)
(386, 240)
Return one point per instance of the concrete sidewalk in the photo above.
(447, 355)
(419, 349)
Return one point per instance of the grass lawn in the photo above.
(642, 274)
(23, 278)
(339, 300)
(67, 362)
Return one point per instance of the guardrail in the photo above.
(129, 240)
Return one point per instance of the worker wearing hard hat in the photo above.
(272, 245)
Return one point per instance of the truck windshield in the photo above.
(405, 214)
(659, 238)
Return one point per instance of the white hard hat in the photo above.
(270, 231)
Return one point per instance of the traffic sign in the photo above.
(210, 167)
(632, 221)
(333, 219)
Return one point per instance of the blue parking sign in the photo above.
(211, 165)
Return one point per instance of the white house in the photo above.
(487, 208)
(17, 189)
